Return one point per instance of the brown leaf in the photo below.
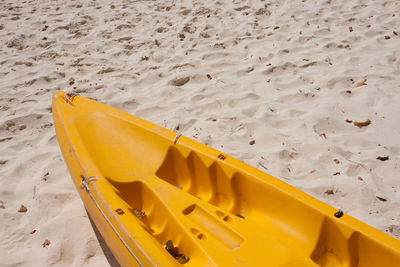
(23, 209)
(336, 161)
(323, 135)
(60, 63)
(45, 176)
(276, 27)
(383, 158)
(387, 37)
(46, 243)
(336, 173)
(329, 192)
(362, 83)
(360, 178)
(182, 259)
(349, 121)
(140, 214)
(33, 231)
(350, 29)
(2, 205)
(45, 28)
(220, 156)
(381, 199)
(362, 124)
(252, 142)
(209, 76)
(174, 251)
(119, 211)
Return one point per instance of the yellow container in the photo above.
(159, 199)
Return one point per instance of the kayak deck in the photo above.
(176, 201)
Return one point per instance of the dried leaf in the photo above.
(174, 251)
(119, 211)
(350, 29)
(23, 209)
(336, 173)
(209, 76)
(336, 161)
(276, 27)
(349, 121)
(140, 214)
(182, 259)
(329, 192)
(362, 124)
(387, 37)
(2, 205)
(252, 142)
(360, 178)
(33, 231)
(45, 176)
(220, 156)
(383, 158)
(362, 83)
(323, 135)
(46, 243)
(381, 199)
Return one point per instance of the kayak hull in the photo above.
(159, 199)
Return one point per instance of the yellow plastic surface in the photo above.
(215, 209)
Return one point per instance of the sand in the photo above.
(281, 85)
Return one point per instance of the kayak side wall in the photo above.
(122, 255)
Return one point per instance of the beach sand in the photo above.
(307, 91)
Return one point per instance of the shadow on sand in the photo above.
(107, 252)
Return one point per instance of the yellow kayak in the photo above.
(162, 199)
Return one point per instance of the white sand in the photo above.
(283, 73)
